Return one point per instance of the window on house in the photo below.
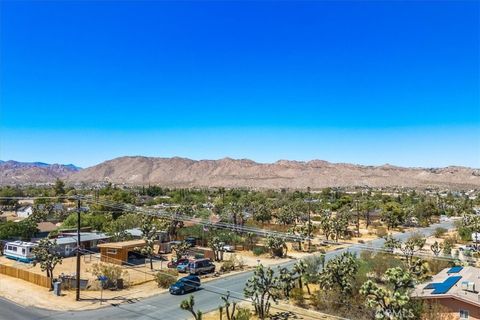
(464, 314)
(23, 250)
(111, 251)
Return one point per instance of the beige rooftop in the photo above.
(469, 275)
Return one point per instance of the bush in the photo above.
(227, 266)
(111, 271)
(258, 251)
(439, 232)
(166, 278)
(297, 296)
(381, 232)
(243, 314)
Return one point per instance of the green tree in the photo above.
(392, 301)
(149, 234)
(59, 187)
(46, 254)
(188, 305)
(392, 214)
(262, 288)
(276, 245)
(180, 249)
(339, 273)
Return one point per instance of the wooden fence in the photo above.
(35, 278)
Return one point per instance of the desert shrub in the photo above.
(243, 314)
(166, 278)
(259, 251)
(439, 232)
(227, 265)
(297, 296)
(437, 265)
(111, 271)
(381, 232)
(448, 245)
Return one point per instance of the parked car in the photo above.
(201, 266)
(175, 263)
(183, 267)
(468, 247)
(192, 241)
(185, 284)
(228, 248)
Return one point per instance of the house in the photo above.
(44, 229)
(20, 251)
(119, 252)
(456, 289)
(24, 212)
(89, 241)
(136, 233)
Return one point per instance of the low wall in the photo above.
(35, 278)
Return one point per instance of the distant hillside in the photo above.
(181, 172)
(13, 172)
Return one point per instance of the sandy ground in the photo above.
(292, 313)
(27, 294)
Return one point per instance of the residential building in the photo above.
(24, 212)
(456, 289)
(89, 241)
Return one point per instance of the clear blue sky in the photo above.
(363, 82)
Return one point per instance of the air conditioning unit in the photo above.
(468, 286)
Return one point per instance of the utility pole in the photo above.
(78, 250)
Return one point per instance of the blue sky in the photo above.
(363, 82)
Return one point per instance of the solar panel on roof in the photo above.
(446, 285)
(456, 269)
(431, 286)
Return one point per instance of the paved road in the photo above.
(166, 306)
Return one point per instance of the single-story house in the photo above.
(457, 289)
(89, 241)
(118, 252)
(44, 229)
(24, 212)
(136, 233)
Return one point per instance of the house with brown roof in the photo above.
(456, 289)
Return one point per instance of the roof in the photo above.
(123, 244)
(22, 243)
(84, 236)
(450, 283)
(24, 208)
(135, 232)
(46, 226)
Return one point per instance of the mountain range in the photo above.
(14, 172)
(227, 172)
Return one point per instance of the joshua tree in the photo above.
(217, 247)
(436, 248)
(276, 245)
(46, 254)
(262, 288)
(149, 232)
(390, 302)
(339, 273)
(188, 305)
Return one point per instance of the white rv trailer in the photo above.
(20, 251)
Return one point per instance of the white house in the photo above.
(476, 236)
(24, 212)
